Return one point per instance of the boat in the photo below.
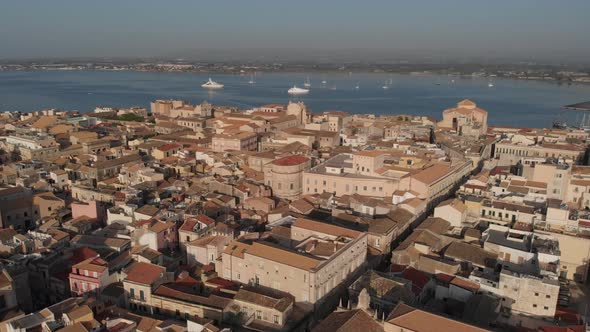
(387, 84)
(357, 87)
(490, 84)
(307, 83)
(297, 91)
(251, 81)
(210, 84)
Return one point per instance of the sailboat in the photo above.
(387, 84)
(490, 84)
(307, 83)
(357, 87)
(251, 81)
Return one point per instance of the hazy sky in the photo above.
(121, 28)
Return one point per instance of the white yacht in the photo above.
(490, 85)
(297, 91)
(357, 87)
(210, 84)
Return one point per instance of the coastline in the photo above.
(474, 75)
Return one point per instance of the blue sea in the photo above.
(509, 102)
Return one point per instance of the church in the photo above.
(466, 119)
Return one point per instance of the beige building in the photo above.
(163, 107)
(439, 179)
(184, 299)
(141, 280)
(509, 153)
(575, 255)
(339, 176)
(206, 249)
(242, 141)
(466, 119)
(299, 110)
(322, 257)
(555, 176)
(47, 204)
(166, 151)
(285, 176)
(264, 309)
(521, 293)
(453, 211)
(409, 319)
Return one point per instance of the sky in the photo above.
(453, 29)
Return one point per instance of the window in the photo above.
(546, 308)
(95, 274)
(258, 314)
(276, 319)
(547, 296)
(279, 186)
(291, 186)
(536, 294)
(534, 305)
(132, 293)
(141, 295)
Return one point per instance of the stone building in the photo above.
(466, 119)
(285, 176)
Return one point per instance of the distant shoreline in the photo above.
(309, 71)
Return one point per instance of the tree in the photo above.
(130, 117)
